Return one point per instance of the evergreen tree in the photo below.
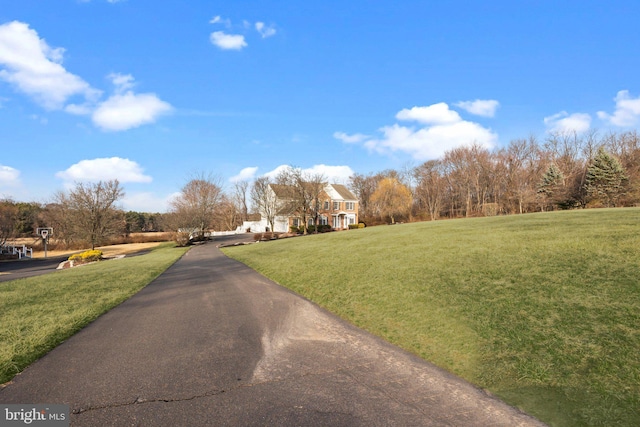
(605, 178)
(551, 184)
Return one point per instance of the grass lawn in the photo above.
(541, 309)
(38, 313)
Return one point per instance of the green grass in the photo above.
(542, 309)
(38, 313)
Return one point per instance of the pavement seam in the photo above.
(141, 400)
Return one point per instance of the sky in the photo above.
(156, 93)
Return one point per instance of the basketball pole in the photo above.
(45, 238)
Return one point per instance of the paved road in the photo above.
(211, 342)
(18, 269)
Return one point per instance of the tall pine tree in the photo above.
(551, 185)
(606, 179)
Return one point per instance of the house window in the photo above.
(326, 205)
(336, 206)
(349, 206)
(324, 220)
(296, 222)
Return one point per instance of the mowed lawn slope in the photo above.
(541, 309)
(38, 313)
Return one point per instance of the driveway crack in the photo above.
(141, 400)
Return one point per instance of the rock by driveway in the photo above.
(211, 342)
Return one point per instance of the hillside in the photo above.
(542, 309)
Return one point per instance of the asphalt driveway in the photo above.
(18, 269)
(211, 342)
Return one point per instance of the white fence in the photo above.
(22, 252)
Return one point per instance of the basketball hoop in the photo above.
(45, 232)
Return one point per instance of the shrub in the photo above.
(87, 256)
(267, 235)
(293, 229)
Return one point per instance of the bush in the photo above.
(293, 229)
(87, 256)
(181, 238)
(264, 236)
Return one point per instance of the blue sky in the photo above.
(153, 93)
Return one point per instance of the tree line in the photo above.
(565, 171)
(89, 215)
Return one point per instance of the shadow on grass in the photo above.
(571, 407)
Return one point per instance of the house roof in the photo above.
(334, 191)
(281, 190)
(343, 192)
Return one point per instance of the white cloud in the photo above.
(564, 122)
(627, 112)
(147, 202)
(333, 174)
(129, 110)
(349, 139)
(245, 174)
(441, 130)
(228, 41)
(431, 142)
(9, 176)
(432, 114)
(480, 107)
(219, 20)
(104, 169)
(122, 82)
(264, 30)
(35, 68)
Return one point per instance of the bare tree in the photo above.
(264, 200)
(363, 186)
(196, 205)
(431, 186)
(8, 217)
(524, 172)
(240, 195)
(58, 215)
(302, 192)
(227, 215)
(88, 213)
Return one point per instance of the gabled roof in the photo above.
(334, 191)
(282, 191)
(342, 192)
